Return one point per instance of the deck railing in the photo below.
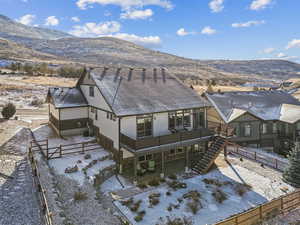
(178, 136)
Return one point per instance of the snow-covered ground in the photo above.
(263, 189)
(112, 184)
(59, 165)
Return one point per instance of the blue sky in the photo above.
(200, 29)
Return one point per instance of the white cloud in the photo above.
(107, 13)
(75, 19)
(51, 21)
(137, 14)
(281, 55)
(96, 30)
(260, 4)
(208, 30)
(148, 41)
(183, 32)
(216, 5)
(125, 4)
(293, 44)
(248, 24)
(26, 19)
(268, 50)
(25, 1)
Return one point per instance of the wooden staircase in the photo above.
(203, 165)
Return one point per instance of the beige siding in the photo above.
(54, 111)
(73, 113)
(107, 127)
(213, 115)
(97, 101)
(128, 126)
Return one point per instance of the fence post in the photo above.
(82, 148)
(255, 156)
(47, 153)
(276, 163)
(60, 151)
(260, 212)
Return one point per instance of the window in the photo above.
(149, 157)
(142, 158)
(247, 130)
(91, 91)
(264, 128)
(107, 115)
(92, 110)
(96, 115)
(199, 118)
(179, 119)
(172, 151)
(274, 127)
(298, 126)
(179, 150)
(144, 126)
(187, 118)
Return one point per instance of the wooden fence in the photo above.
(61, 150)
(41, 191)
(266, 211)
(270, 161)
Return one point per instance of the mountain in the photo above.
(10, 27)
(116, 52)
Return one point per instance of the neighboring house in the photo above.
(267, 119)
(148, 118)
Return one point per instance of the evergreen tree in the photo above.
(292, 173)
(8, 110)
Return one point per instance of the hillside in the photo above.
(116, 52)
(13, 28)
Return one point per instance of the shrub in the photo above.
(241, 189)
(177, 185)
(79, 196)
(87, 156)
(8, 110)
(213, 181)
(170, 208)
(172, 177)
(154, 182)
(135, 207)
(127, 202)
(177, 221)
(142, 185)
(37, 102)
(168, 193)
(219, 195)
(138, 218)
(193, 195)
(154, 199)
(73, 169)
(162, 180)
(193, 206)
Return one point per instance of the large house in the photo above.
(148, 118)
(267, 119)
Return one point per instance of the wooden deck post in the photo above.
(187, 160)
(134, 168)
(82, 148)
(162, 164)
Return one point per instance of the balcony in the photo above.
(178, 136)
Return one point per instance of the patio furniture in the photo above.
(140, 170)
(151, 166)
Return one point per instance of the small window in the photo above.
(96, 115)
(179, 150)
(144, 126)
(149, 157)
(142, 158)
(92, 91)
(274, 128)
(298, 126)
(187, 118)
(247, 130)
(107, 115)
(264, 128)
(92, 110)
(172, 151)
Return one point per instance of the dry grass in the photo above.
(201, 89)
(50, 81)
(80, 196)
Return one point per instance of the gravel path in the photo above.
(18, 199)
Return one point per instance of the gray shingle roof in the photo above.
(64, 97)
(141, 91)
(266, 105)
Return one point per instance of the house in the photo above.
(148, 118)
(266, 119)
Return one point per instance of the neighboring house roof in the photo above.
(265, 105)
(64, 97)
(142, 91)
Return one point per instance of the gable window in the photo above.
(264, 128)
(247, 130)
(91, 91)
(144, 126)
(179, 119)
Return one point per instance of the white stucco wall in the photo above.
(96, 101)
(128, 126)
(160, 124)
(73, 132)
(73, 113)
(107, 127)
(53, 111)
